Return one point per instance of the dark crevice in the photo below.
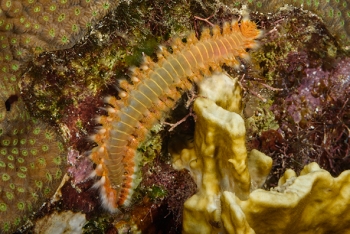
(10, 101)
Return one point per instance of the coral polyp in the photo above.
(31, 164)
(31, 27)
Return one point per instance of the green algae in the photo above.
(156, 192)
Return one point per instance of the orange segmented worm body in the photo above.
(155, 89)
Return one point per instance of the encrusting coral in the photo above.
(39, 26)
(31, 158)
(31, 164)
(30, 27)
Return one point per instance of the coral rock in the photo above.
(31, 164)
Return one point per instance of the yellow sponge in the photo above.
(219, 160)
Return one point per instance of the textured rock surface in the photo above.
(335, 13)
(59, 223)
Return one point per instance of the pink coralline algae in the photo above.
(319, 90)
(317, 117)
(305, 102)
(80, 167)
